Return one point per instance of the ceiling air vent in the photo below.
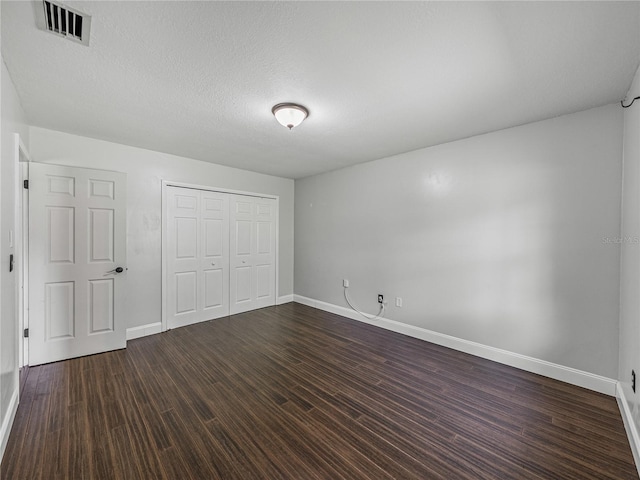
(64, 21)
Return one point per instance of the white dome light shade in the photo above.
(289, 114)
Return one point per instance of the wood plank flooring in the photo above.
(296, 393)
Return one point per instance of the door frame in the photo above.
(21, 243)
(209, 188)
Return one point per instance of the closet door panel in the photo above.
(214, 259)
(252, 253)
(183, 210)
(198, 256)
(265, 248)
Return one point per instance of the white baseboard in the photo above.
(144, 330)
(629, 425)
(558, 372)
(5, 430)
(284, 299)
(156, 327)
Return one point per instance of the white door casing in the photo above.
(197, 256)
(77, 226)
(22, 160)
(252, 255)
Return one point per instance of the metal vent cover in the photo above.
(64, 21)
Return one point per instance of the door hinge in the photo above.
(26, 333)
(26, 184)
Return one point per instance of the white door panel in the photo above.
(198, 256)
(59, 310)
(77, 226)
(101, 246)
(213, 288)
(265, 245)
(252, 253)
(215, 255)
(263, 237)
(101, 302)
(243, 285)
(61, 234)
(263, 281)
(186, 283)
(184, 212)
(186, 238)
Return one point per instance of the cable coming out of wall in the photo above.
(627, 106)
(369, 317)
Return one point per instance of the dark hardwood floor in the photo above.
(294, 392)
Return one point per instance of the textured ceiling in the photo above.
(198, 79)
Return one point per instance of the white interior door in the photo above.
(197, 256)
(77, 262)
(252, 255)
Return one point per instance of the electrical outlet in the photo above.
(380, 298)
(399, 302)
(633, 380)
(345, 283)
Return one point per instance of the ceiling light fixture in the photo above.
(289, 114)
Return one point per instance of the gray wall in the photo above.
(499, 239)
(630, 255)
(145, 170)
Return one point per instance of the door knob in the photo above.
(213, 263)
(117, 270)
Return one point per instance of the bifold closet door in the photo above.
(197, 256)
(252, 253)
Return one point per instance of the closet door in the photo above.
(252, 253)
(265, 252)
(197, 256)
(214, 257)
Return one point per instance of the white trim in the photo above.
(21, 146)
(284, 299)
(277, 253)
(629, 425)
(20, 248)
(163, 248)
(143, 330)
(24, 270)
(5, 430)
(541, 367)
(163, 257)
